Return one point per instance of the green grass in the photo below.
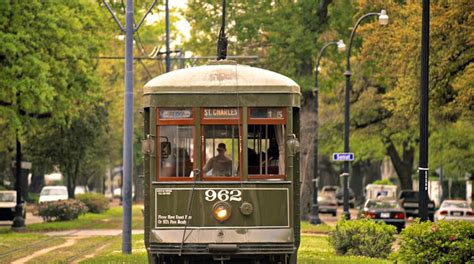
(112, 253)
(313, 249)
(112, 219)
(306, 227)
(17, 245)
(80, 249)
(316, 249)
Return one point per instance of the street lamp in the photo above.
(314, 218)
(383, 20)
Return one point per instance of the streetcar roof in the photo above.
(228, 76)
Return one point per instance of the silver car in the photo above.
(327, 204)
(451, 210)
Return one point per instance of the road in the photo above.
(30, 219)
(331, 220)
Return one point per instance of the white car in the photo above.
(81, 190)
(53, 193)
(7, 205)
(451, 210)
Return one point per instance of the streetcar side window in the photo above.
(176, 148)
(266, 142)
(221, 150)
(266, 150)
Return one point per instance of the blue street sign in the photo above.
(343, 156)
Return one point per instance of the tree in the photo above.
(385, 92)
(48, 59)
(75, 147)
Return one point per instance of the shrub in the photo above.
(96, 202)
(383, 182)
(362, 238)
(32, 198)
(440, 242)
(61, 210)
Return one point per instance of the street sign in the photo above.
(343, 156)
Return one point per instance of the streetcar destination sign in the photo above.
(343, 156)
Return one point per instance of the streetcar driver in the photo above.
(220, 164)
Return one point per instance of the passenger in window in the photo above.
(253, 161)
(253, 157)
(273, 152)
(272, 156)
(220, 164)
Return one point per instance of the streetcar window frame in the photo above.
(267, 121)
(180, 121)
(222, 121)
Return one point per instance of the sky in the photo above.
(182, 25)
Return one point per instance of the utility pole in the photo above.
(423, 167)
(128, 120)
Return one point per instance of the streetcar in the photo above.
(221, 165)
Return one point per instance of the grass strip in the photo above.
(313, 249)
(112, 253)
(18, 245)
(316, 249)
(112, 219)
(306, 227)
(81, 248)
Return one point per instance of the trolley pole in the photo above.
(128, 121)
(423, 167)
(168, 62)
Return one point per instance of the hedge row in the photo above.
(420, 242)
(72, 209)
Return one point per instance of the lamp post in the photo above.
(383, 20)
(424, 88)
(314, 218)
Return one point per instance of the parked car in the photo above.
(329, 189)
(386, 210)
(451, 210)
(53, 193)
(81, 189)
(340, 197)
(409, 200)
(7, 205)
(380, 191)
(327, 204)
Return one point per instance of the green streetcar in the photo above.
(221, 166)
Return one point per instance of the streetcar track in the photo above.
(81, 254)
(11, 252)
(17, 249)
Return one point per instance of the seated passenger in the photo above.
(252, 157)
(220, 164)
(273, 151)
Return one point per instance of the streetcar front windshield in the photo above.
(221, 150)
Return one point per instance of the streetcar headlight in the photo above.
(221, 211)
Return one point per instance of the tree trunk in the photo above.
(37, 180)
(403, 164)
(70, 188)
(306, 173)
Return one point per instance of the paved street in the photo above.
(331, 220)
(30, 219)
